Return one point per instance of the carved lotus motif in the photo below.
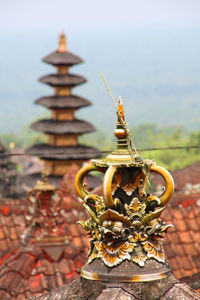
(112, 256)
(133, 235)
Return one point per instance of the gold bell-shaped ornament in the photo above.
(124, 225)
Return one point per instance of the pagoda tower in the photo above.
(9, 186)
(62, 129)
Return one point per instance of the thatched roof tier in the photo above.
(2, 148)
(5, 157)
(4, 160)
(62, 80)
(62, 58)
(60, 102)
(51, 126)
(48, 152)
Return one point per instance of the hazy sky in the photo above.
(46, 15)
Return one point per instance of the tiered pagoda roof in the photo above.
(63, 129)
(8, 173)
(4, 155)
(62, 80)
(46, 151)
(53, 102)
(62, 57)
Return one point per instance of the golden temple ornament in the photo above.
(124, 226)
(44, 210)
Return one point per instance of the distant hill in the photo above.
(157, 73)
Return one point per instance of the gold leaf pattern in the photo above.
(154, 250)
(113, 256)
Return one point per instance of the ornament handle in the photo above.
(169, 183)
(29, 195)
(79, 185)
(107, 186)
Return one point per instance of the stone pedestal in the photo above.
(127, 271)
(83, 289)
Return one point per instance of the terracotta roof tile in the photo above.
(81, 259)
(13, 233)
(189, 248)
(174, 236)
(72, 269)
(74, 230)
(179, 249)
(2, 235)
(70, 218)
(187, 273)
(182, 244)
(4, 295)
(169, 251)
(47, 267)
(180, 224)
(193, 224)
(175, 263)
(78, 265)
(70, 251)
(3, 246)
(176, 213)
(191, 215)
(78, 242)
(64, 267)
(37, 268)
(197, 261)
(59, 279)
(177, 273)
(43, 282)
(52, 284)
(197, 237)
(185, 237)
(86, 244)
(198, 221)
(35, 284)
(187, 262)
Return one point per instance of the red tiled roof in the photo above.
(12, 223)
(182, 243)
(187, 185)
(32, 261)
(37, 268)
(189, 174)
(31, 270)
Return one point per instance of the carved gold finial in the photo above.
(44, 205)
(124, 222)
(62, 43)
(43, 184)
(121, 108)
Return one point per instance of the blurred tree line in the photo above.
(144, 136)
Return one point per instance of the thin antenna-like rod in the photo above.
(130, 142)
(113, 100)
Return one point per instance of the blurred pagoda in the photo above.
(63, 129)
(42, 248)
(8, 174)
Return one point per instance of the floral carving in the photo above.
(134, 233)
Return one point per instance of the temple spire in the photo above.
(63, 128)
(62, 47)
